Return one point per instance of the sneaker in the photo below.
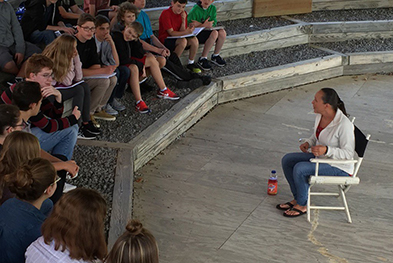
(108, 109)
(194, 68)
(142, 107)
(117, 105)
(204, 64)
(85, 134)
(95, 123)
(92, 128)
(192, 84)
(102, 115)
(167, 94)
(218, 60)
(68, 187)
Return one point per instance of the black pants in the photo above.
(81, 98)
(60, 184)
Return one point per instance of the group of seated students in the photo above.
(91, 55)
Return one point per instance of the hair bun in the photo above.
(134, 227)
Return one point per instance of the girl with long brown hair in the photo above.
(21, 217)
(74, 232)
(67, 71)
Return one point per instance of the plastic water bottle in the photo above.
(272, 184)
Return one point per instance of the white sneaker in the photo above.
(68, 187)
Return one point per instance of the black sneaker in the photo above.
(85, 134)
(218, 60)
(204, 64)
(194, 68)
(91, 128)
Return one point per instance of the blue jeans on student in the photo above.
(58, 143)
(297, 170)
(123, 74)
(46, 37)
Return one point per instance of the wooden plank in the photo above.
(368, 68)
(337, 37)
(122, 196)
(289, 82)
(155, 133)
(279, 72)
(280, 7)
(370, 57)
(352, 26)
(191, 119)
(319, 5)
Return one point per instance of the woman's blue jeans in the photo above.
(297, 170)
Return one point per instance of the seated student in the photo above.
(13, 49)
(132, 54)
(56, 134)
(204, 14)
(69, 11)
(20, 217)
(107, 52)
(79, 234)
(100, 88)
(100, 7)
(173, 22)
(136, 245)
(67, 70)
(40, 21)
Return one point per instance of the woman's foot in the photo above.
(287, 205)
(296, 210)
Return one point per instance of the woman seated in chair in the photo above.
(333, 138)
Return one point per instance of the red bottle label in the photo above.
(272, 187)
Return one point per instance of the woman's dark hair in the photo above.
(31, 180)
(9, 117)
(136, 245)
(331, 97)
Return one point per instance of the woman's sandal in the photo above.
(296, 210)
(286, 208)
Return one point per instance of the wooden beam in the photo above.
(339, 37)
(367, 68)
(275, 73)
(319, 5)
(122, 196)
(280, 7)
(361, 58)
(352, 27)
(276, 85)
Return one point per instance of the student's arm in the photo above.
(97, 70)
(67, 15)
(76, 10)
(92, 10)
(113, 48)
(69, 166)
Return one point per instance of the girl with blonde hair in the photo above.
(74, 232)
(21, 217)
(67, 71)
(136, 245)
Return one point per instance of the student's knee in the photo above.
(181, 42)
(193, 41)
(161, 61)
(10, 67)
(222, 34)
(214, 35)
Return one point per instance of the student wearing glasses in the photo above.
(21, 217)
(100, 88)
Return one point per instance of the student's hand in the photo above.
(108, 38)
(19, 58)
(143, 73)
(304, 147)
(115, 8)
(109, 69)
(50, 90)
(183, 15)
(164, 52)
(76, 112)
(208, 23)
(189, 30)
(68, 30)
(318, 150)
(71, 167)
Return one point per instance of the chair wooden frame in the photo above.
(343, 182)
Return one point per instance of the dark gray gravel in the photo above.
(362, 45)
(247, 25)
(97, 169)
(347, 15)
(267, 59)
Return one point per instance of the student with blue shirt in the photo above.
(20, 217)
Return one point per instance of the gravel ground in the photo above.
(95, 173)
(347, 15)
(361, 45)
(247, 25)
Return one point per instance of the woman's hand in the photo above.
(304, 147)
(50, 90)
(318, 150)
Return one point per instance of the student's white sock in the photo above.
(138, 101)
(215, 55)
(203, 57)
(190, 61)
(164, 89)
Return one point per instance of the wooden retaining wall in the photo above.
(319, 5)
